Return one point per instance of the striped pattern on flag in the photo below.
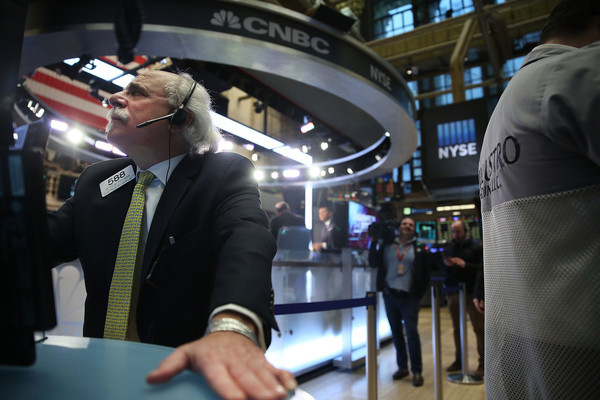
(68, 97)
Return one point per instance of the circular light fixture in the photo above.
(75, 135)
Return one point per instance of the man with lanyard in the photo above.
(403, 275)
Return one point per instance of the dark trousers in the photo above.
(403, 307)
(477, 321)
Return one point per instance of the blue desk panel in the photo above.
(83, 368)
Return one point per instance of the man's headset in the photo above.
(178, 117)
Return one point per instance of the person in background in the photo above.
(478, 291)
(403, 276)
(283, 217)
(201, 280)
(462, 257)
(331, 235)
(539, 178)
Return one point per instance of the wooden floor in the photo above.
(352, 385)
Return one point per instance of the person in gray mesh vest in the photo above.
(539, 177)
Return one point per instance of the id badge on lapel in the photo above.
(116, 181)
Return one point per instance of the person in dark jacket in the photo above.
(479, 292)
(463, 257)
(403, 277)
(283, 217)
(331, 235)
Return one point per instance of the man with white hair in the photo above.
(183, 257)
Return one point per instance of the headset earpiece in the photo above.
(179, 116)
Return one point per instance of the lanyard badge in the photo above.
(401, 269)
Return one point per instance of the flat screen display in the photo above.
(359, 219)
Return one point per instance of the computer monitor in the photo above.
(26, 291)
(294, 238)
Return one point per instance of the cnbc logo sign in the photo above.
(273, 30)
(456, 139)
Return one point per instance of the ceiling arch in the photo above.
(335, 77)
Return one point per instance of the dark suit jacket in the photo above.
(222, 252)
(284, 219)
(333, 237)
(469, 250)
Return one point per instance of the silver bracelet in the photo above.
(232, 325)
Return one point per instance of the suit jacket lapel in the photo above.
(174, 191)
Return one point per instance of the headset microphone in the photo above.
(177, 117)
(151, 121)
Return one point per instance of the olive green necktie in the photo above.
(119, 298)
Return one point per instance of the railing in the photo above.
(370, 301)
(463, 377)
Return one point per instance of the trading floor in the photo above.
(352, 385)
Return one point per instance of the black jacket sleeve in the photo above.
(423, 261)
(478, 292)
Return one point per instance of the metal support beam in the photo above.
(437, 41)
(491, 48)
(346, 360)
(457, 60)
(436, 342)
(464, 378)
(372, 348)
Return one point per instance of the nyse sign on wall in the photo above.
(457, 139)
(452, 137)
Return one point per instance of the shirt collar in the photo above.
(546, 50)
(161, 169)
(411, 241)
